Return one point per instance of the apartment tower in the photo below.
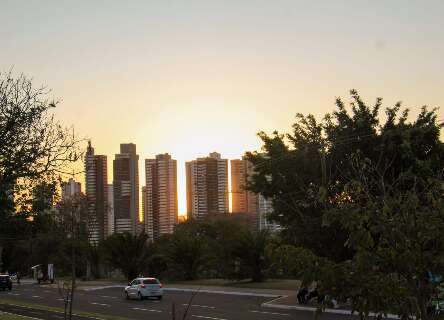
(207, 186)
(126, 189)
(247, 202)
(96, 183)
(160, 196)
(70, 189)
(243, 200)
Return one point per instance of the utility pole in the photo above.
(73, 257)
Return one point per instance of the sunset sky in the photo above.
(191, 77)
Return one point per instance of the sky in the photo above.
(192, 77)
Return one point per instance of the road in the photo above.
(205, 306)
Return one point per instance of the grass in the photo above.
(55, 309)
(5, 316)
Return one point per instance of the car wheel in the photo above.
(140, 296)
(127, 295)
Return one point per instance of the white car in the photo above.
(142, 288)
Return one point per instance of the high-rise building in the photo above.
(96, 183)
(265, 208)
(126, 189)
(160, 196)
(207, 186)
(244, 201)
(110, 209)
(70, 188)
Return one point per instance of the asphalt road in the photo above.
(111, 301)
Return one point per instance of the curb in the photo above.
(313, 309)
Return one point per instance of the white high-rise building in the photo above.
(70, 189)
(207, 186)
(160, 196)
(265, 208)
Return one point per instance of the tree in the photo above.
(186, 251)
(33, 145)
(126, 252)
(364, 202)
(251, 251)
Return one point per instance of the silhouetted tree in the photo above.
(364, 202)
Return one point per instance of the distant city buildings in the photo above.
(244, 201)
(159, 196)
(207, 186)
(96, 182)
(126, 189)
(70, 189)
(114, 208)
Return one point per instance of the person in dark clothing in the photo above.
(302, 295)
(313, 294)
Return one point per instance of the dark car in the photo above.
(5, 282)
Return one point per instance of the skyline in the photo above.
(197, 77)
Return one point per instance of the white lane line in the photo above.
(100, 304)
(265, 312)
(204, 317)
(63, 300)
(151, 310)
(36, 296)
(236, 293)
(13, 294)
(200, 306)
(108, 297)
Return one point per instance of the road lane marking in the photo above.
(200, 306)
(152, 310)
(36, 296)
(100, 304)
(236, 293)
(108, 297)
(265, 312)
(204, 317)
(13, 294)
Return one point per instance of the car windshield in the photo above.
(150, 281)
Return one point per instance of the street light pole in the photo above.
(73, 259)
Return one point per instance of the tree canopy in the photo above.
(362, 195)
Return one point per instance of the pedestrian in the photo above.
(313, 294)
(302, 295)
